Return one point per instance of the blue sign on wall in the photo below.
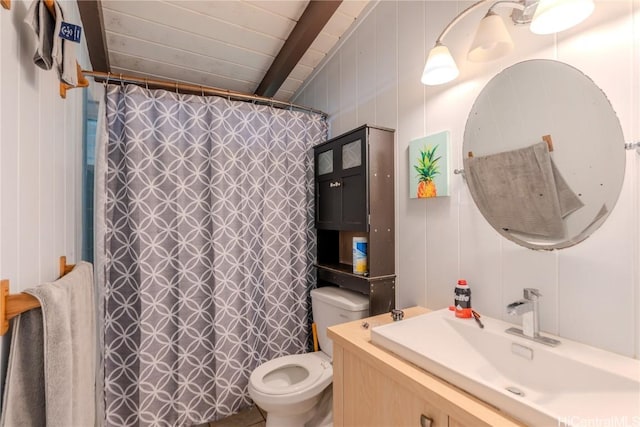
(70, 32)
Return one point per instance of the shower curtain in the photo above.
(205, 230)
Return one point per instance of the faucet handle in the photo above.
(531, 293)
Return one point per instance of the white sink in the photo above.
(572, 384)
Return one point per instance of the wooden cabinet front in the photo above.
(372, 387)
(371, 399)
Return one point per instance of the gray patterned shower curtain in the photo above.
(206, 214)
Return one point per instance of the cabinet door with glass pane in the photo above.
(327, 184)
(341, 183)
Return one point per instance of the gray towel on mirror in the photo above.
(569, 202)
(64, 345)
(521, 190)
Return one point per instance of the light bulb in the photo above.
(553, 16)
(440, 67)
(492, 39)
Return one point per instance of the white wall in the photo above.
(591, 291)
(40, 161)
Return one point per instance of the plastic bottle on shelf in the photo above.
(360, 249)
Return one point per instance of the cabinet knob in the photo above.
(425, 421)
(335, 184)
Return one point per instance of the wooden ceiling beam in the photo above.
(93, 27)
(312, 21)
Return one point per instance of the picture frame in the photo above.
(429, 165)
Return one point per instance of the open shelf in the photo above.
(341, 268)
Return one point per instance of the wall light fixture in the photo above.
(492, 39)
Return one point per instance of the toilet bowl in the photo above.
(289, 387)
(296, 390)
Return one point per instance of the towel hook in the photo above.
(549, 141)
(632, 145)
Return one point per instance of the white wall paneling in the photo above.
(592, 290)
(635, 136)
(349, 86)
(411, 231)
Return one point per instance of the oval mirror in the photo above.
(544, 154)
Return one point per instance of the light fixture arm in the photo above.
(504, 3)
(520, 5)
(492, 39)
(458, 18)
(522, 11)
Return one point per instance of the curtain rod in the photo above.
(186, 87)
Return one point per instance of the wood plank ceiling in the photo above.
(227, 44)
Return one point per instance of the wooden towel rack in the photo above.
(82, 80)
(12, 305)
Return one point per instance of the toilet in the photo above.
(295, 390)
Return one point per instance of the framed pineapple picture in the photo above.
(429, 166)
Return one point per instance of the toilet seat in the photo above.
(319, 374)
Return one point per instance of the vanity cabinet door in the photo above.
(369, 398)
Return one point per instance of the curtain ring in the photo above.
(202, 90)
(290, 106)
(121, 81)
(108, 77)
(177, 88)
(146, 83)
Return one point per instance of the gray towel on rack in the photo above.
(64, 52)
(66, 352)
(24, 402)
(42, 23)
(52, 50)
(521, 190)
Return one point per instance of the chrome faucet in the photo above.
(528, 309)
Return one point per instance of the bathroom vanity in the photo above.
(372, 387)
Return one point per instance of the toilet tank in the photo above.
(332, 305)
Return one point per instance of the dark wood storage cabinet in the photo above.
(341, 182)
(354, 197)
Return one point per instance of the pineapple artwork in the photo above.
(429, 166)
(427, 169)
